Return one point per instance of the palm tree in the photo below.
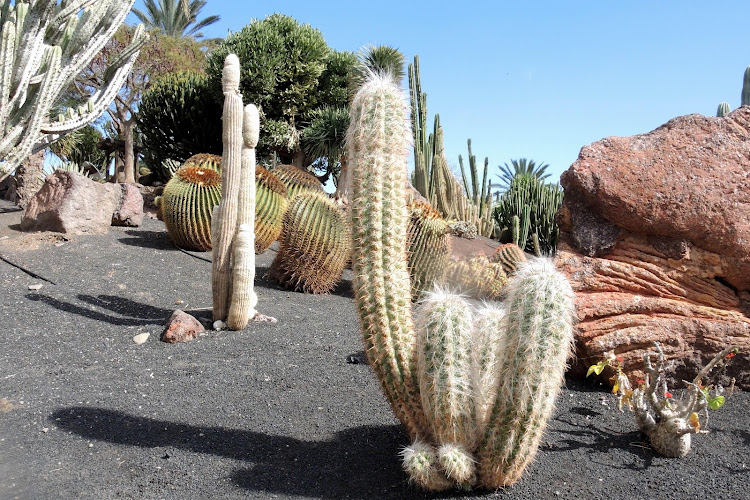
(323, 139)
(382, 58)
(176, 18)
(521, 167)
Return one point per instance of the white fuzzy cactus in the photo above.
(44, 45)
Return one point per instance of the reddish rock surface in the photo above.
(181, 327)
(130, 211)
(655, 237)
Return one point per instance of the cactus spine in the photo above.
(244, 299)
(188, 201)
(44, 46)
(723, 109)
(746, 88)
(315, 245)
(226, 216)
(446, 380)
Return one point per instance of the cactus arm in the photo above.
(745, 98)
(538, 343)
(230, 182)
(244, 299)
(377, 144)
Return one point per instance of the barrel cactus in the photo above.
(509, 256)
(296, 180)
(315, 245)
(188, 200)
(477, 277)
(429, 246)
(270, 206)
(473, 386)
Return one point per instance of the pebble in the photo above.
(45, 430)
(219, 325)
(38, 286)
(141, 338)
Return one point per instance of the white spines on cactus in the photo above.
(488, 344)
(539, 339)
(244, 299)
(231, 166)
(44, 46)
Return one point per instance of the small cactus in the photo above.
(271, 205)
(745, 99)
(315, 245)
(187, 202)
(429, 247)
(509, 256)
(297, 180)
(723, 109)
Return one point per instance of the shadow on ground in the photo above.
(158, 240)
(361, 462)
(121, 311)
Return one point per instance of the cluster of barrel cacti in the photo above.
(473, 387)
(297, 180)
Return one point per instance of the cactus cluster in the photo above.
(428, 247)
(187, 203)
(315, 245)
(271, 205)
(473, 387)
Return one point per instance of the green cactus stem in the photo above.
(226, 220)
(745, 100)
(243, 297)
(271, 205)
(188, 200)
(538, 342)
(377, 143)
(723, 109)
(315, 245)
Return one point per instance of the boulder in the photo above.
(71, 203)
(181, 327)
(655, 238)
(130, 210)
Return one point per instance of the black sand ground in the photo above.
(271, 412)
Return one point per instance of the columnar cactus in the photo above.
(44, 45)
(188, 201)
(271, 205)
(315, 245)
(474, 389)
(723, 109)
(745, 100)
(225, 220)
(243, 297)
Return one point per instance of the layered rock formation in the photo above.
(655, 237)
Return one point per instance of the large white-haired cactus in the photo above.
(44, 45)
(473, 385)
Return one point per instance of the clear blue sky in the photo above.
(540, 79)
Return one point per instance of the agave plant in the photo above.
(522, 168)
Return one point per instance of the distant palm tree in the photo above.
(176, 18)
(323, 139)
(521, 167)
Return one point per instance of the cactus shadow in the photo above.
(156, 240)
(358, 463)
(119, 310)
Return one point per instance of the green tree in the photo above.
(160, 56)
(281, 65)
(175, 18)
(521, 167)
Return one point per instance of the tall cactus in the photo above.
(44, 45)
(474, 402)
(745, 100)
(225, 218)
(243, 297)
